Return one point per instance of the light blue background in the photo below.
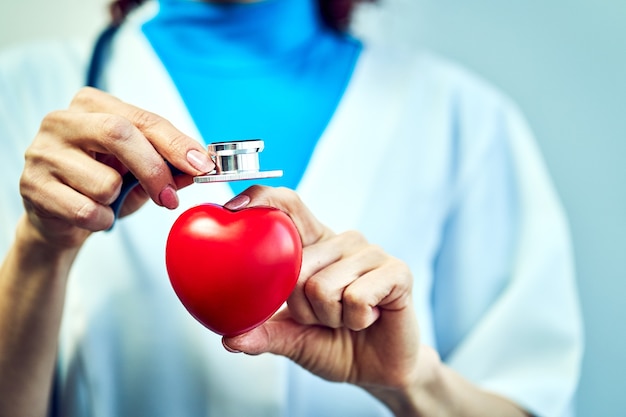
(564, 63)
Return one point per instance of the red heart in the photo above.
(233, 270)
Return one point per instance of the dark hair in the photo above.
(336, 13)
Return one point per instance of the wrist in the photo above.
(423, 394)
(34, 250)
(439, 391)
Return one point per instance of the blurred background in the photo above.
(564, 63)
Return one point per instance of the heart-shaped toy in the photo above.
(233, 270)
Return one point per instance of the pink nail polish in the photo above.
(237, 202)
(200, 161)
(168, 197)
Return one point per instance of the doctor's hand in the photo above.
(351, 316)
(74, 167)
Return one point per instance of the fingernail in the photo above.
(237, 202)
(228, 348)
(200, 161)
(168, 197)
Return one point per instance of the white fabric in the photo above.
(424, 159)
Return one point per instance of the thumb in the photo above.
(273, 336)
(310, 229)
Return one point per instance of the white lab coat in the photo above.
(426, 160)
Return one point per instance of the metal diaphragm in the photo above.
(235, 161)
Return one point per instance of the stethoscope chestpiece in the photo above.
(236, 160)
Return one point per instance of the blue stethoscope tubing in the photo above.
(100, 53)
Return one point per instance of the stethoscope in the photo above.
(234, 160)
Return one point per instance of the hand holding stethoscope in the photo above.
(74, 168)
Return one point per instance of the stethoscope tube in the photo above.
(101, 50)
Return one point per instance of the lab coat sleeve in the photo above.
(505, 302)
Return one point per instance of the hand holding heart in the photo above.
(350, 317)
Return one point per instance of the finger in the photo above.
(361, 300)
(137, 196)
(310, 229)
(89, 177)
(112, 134)
(328, 291)
(317, 293)
(279, 335)
(385, 288)
(54, 200)
(180, 150)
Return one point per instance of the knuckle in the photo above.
(33, 156)
(144, 120)
(356, 310)
(51, 120)
(372, 251)
(86, 215)
(32, 174)
(353, 300)
(156, 169)
(116, 128)
(354, 236)
(178, 142)
(403, 271)
(353, 242)
(84, 97)
(397, 265)
(106, 191)
(27, 186)
(318, 290)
